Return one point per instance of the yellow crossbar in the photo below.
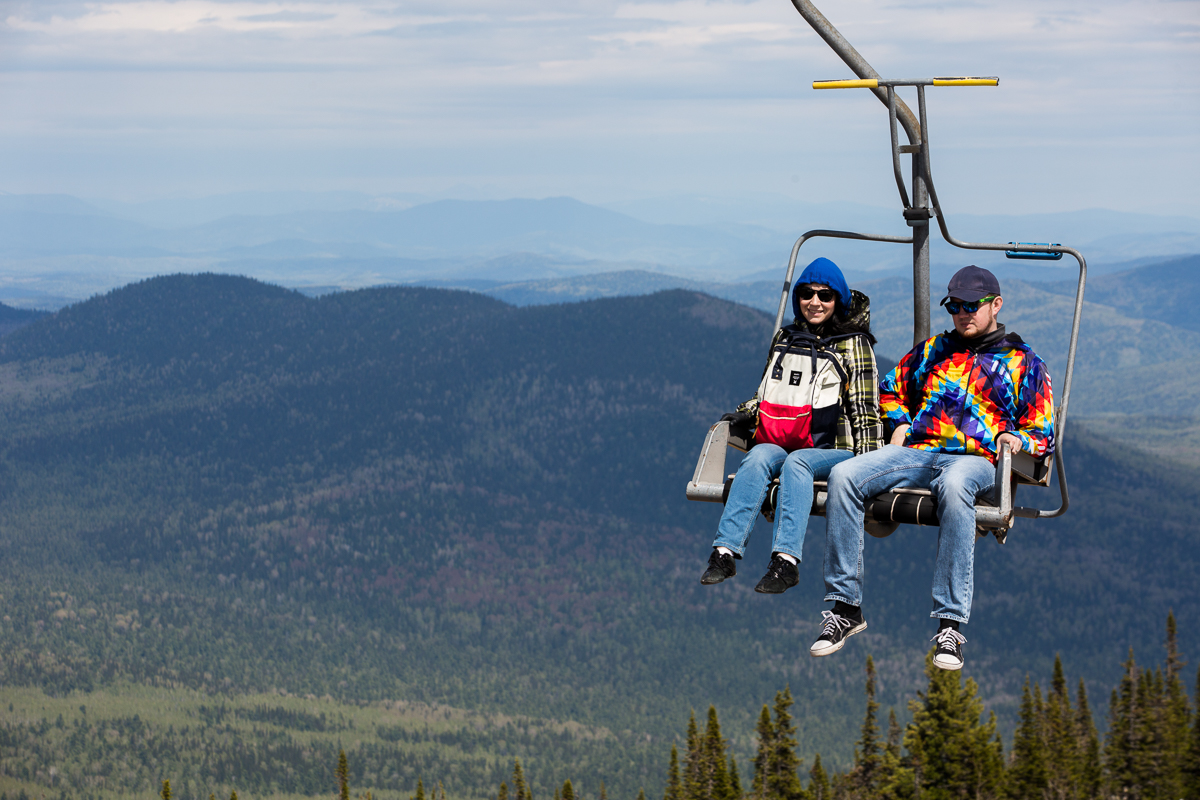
(855, 83)
(966, 81)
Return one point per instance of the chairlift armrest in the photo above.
(999, 517)
(708, 481)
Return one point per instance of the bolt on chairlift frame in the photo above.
(916, 506)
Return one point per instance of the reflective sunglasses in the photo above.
(954, 306)
(824, 295)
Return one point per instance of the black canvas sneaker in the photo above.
(836, 630)
(949, 648)
(781, 576)
(720, 566)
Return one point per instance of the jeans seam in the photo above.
(859, 486)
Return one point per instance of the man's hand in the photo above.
(898, 435)
(1014, 444)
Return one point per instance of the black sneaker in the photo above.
(720, 566)
(836, 631)
(949, 648)
(781, 576)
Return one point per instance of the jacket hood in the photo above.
(825, 272)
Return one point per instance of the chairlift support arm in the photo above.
(709, 482)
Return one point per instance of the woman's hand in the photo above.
(898, 435)
(741, 424)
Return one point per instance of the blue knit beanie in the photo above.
(825, 272)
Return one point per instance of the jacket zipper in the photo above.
(967, 394)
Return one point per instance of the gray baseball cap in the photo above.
(971, 283)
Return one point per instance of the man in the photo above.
(953, 401)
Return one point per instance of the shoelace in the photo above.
(948, 638)
(833, 622)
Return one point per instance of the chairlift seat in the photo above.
(884, 512)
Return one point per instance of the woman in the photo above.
(825, 309)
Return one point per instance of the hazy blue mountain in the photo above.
(179, 212)
(55, 249)
(28, 234)
(47, 204)
(1167, 292)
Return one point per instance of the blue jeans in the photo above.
(796, 472)
(956, 482)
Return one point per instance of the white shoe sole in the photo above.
(833, 648)
(947, 664)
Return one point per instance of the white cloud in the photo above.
(157, 16)
(667, 91)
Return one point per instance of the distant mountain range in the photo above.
(56, 249)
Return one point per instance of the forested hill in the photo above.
(12, 319)
(429, 495)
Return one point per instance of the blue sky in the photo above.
(605, 101)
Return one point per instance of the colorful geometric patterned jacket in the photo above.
(959, 398)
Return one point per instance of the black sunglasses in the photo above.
(824, 295)
(954, 306)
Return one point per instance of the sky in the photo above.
(608, 101)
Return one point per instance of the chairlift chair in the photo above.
(885, 512)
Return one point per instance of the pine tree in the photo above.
(1026, 775)
(1091, 776)
(1120, 745)
(420, 790)
(1151, 762)
(818, 781)
(896, 776)
(866, 778)
(892, 748)
(674, 782)
(783, 780)
(762, 758)
(343, 776)
(1177, 715)
(713, 777)
(502, 792)
(568, 791)
(165, 792)
(1062, 748)
(441, 791)
(1191, 761)
(641, 794)
(603, 791)
(520, 788)
(735, 780)
(954, 753)
(233, 795)
(693, 765)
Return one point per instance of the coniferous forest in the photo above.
(245, 531)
